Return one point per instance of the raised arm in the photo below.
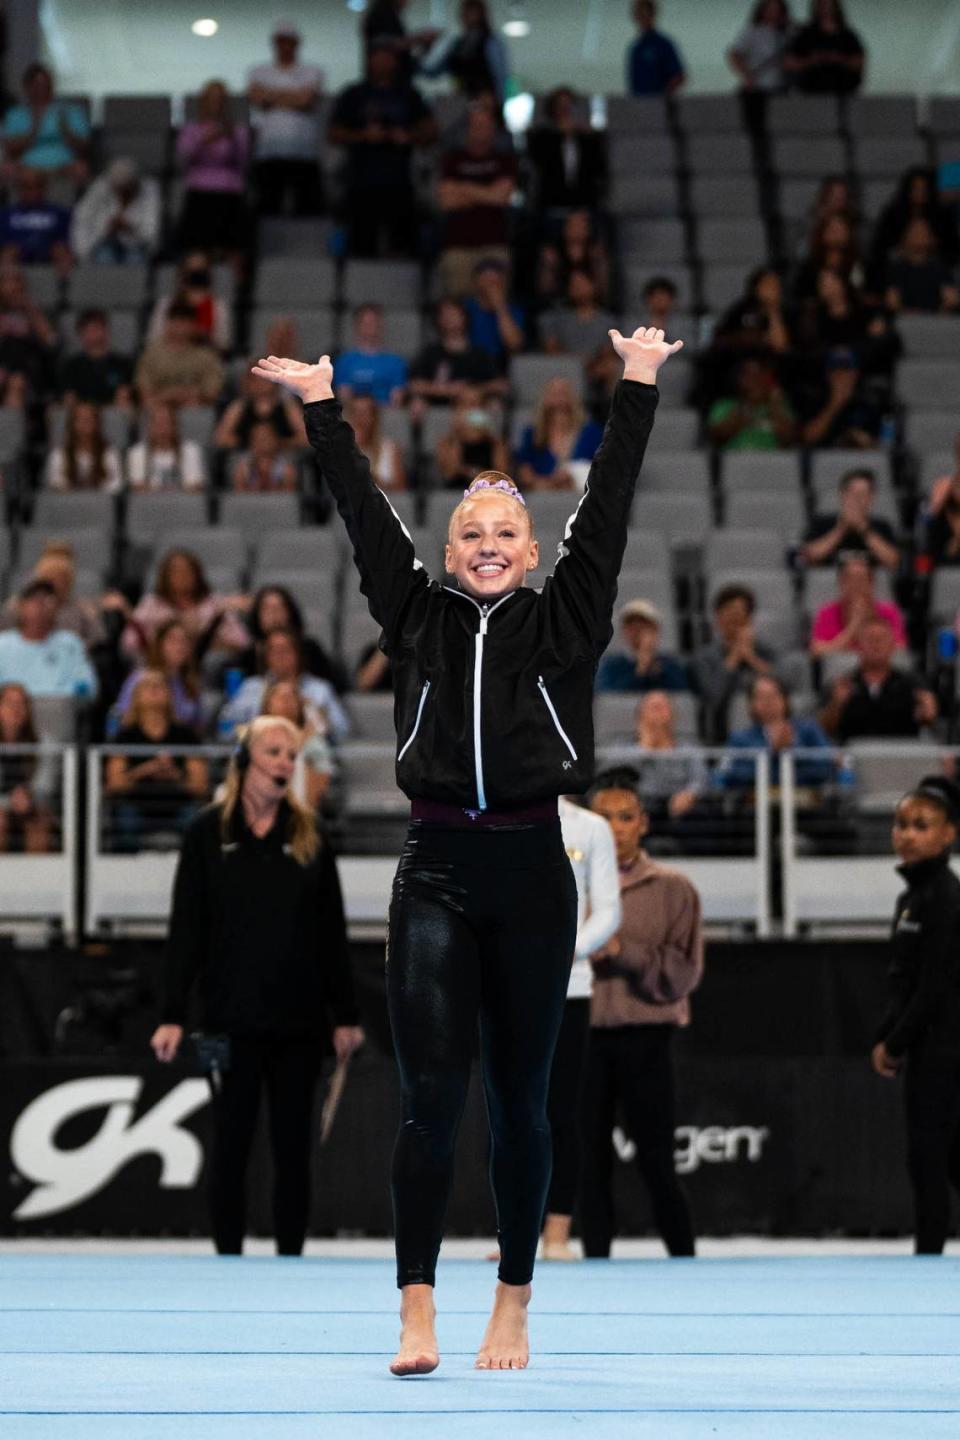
(391, 576)
(584, 583)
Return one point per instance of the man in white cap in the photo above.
(284, 96)
(641, 665)
(117, 221)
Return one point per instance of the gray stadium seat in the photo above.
(358, 630)
(12, 433)
(254, 515)
(369, 778)
(931, 431)
(929, 384)
(752, 549)
(827, 468)
(820, 587)
(945, 593)
(319, 329)
(930, 337)
(724, 196)
(91, 547)
(136, 112)
(771, 588)
(309, 283)
(239, 108)
(66, 510)
(371, 716)
(719, 154)
(796, 197)
(884, 772)
(197, 422)
(223, 277)
(632, 153)
(641, 115)
(651, 242)
(778, 510)
(635, 278)
(887, 156)
(874, 195)
(774, 470)
(684, 519)
(674, 430)
(943, 115)
(110, 287)
(881, 114)
(723, 285)
(817, 155)
(646, 550)
(709, 115)
(725, 240)
(933, 466)
(614, 716)
(305, 547)
(114, 419)
(314, 589)
(674, 381)
(394, 284)
(299, 236)
(631, 194)
(215, 546)
(781, 630)
(149, 149)
(44, 286)
(811, 115)
(151, 515)
(403, 332)
(676, 472)
(125, 330)
(530, 373)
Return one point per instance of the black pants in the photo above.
(381, 221)
(288, 186)
(482, 929)
(632, 1066)
(932, 1100)
(564, 1107)
(287, 1069)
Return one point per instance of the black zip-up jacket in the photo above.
(263, 935)
(924, 974)
(493, 702)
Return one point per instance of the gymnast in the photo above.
(493, 691)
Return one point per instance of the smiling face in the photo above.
(921, 830)
(490, 545)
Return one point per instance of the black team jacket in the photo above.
(493, 702)
(262, 936)
(924, 975)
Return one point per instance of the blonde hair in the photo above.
(132, 716)
(302, 835)
(577, 414)
(494, 481)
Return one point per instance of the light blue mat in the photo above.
(152, 1348)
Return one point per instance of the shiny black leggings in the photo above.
(482, 929)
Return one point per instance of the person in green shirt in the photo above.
(758, 417)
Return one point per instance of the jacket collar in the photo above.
(479, 605)
(240, 832)
(642, 870)
(923, 870)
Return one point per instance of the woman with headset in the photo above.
(257, 926)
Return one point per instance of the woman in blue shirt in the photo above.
(774, 729)
(46, 134)
(560, 439)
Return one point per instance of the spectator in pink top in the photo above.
(838, 626)
(182, 592)
(213, 151)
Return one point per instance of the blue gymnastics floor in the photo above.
(153, 1348)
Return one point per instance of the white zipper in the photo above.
(485, 612)
(556, 718)
(416, 724)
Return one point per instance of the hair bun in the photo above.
(944, 789)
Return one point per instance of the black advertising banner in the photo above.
(797, 1146)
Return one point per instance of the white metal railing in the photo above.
(43, 886)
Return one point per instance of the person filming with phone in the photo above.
(257, 925)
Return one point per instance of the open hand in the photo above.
(643, 352)
(309, 382)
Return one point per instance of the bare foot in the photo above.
(418, 1353)
(505, 1344)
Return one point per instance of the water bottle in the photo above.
(233, 678)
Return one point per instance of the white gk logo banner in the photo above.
(66, 1177)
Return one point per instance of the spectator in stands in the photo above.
(38, 655)
(841, 623)
(475, 57)
(95, 373)
(380, 122)
(758, 417)
(760, 325)
(27, 342)
(264, 466)
(916, 279)
(367, 368)
(450, 362)
(164, 461)
(274, 608)
(941, 538)
(383, 23)
(833, 246)
(476, 186)
(170, 654)
(213, 153)
(837, 326)
(916, 198)
(473, 442)
(568, 156)
(260, 403)
(45, 133)
(283, 99)
(774, 729)
(671, 777)
(117, 221)
(179, 369)
(33, 230)
(854, 528)
(27, 782)
(826, 56)
(835, 196)
(641, 664)
(875, 701)
(757, 57)
(837, 409)
(579, 247)
(182, 592)
(730, 662)
(160, 793)
(497, 324)
(84, 616)
(84, 460)
(193, 289)
(581, 327)
(384, 454)
(316, 764)
(282, 658)
(556, 450)
(654, 66)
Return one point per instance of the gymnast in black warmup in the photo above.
(494, 690)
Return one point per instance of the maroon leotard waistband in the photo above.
(435, 812)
